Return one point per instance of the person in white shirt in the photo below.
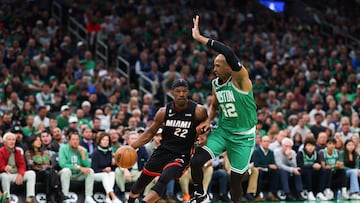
(278, 139)
(300, 128)
(45, 97)
(41, 118)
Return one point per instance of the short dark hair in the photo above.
(310, 140)
(71, 130)
(331, 140)
(72, 133)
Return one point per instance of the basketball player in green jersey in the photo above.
(233, 100)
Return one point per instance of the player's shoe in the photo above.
(200, 198)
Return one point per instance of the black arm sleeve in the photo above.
(229, 54)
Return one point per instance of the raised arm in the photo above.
(239, 73)
(230, 56)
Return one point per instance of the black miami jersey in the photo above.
(179, 129)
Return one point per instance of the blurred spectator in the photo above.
(126, 175)
(104, 165)
(298, 141)
(63, 118)
(41, 59)
(278, 140)
(252, 179)
(355, 128)
(28, 130)
(351, 164)
(345, 133)
(355, 139)
(58, 136)
(309, 163)
(316, 110)
(75, 165)
(143, 64)
(38, 160)
(339, 145)
(13, 168)
(264, 160)
(300, 128)
(219, 175)
(41, 117)
(333, 170)
(285, 159)
(45, 97)
(87, 140)
(48, 143)
(317, 127)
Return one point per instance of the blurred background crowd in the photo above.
(304, 62)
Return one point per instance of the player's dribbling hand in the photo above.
(203, 127)
(195, 29)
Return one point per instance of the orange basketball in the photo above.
(125, 157)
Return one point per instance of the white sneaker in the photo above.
(116, 201)
(89, 199)
(329, 194)
(345, 195)
(200, 198)
(321, 196)
(108, 200)
(311, 196)
(355, 196)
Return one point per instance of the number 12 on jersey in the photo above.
(229, 110)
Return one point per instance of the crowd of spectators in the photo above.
(304, 82)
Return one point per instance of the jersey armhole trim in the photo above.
(238, 90)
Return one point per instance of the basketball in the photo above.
(125, 157)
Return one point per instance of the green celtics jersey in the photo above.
(309, 160)
(237, 108)
(330, 160)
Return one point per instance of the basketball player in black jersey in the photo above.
(178, 120)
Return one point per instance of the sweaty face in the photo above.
(181, 95)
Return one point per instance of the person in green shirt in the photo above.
(29, 129)
(333, 170)
(63, 118)
(90, 63)
(75, 165)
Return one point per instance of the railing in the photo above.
(77, 30)
(102, 52)
(56, 12)
(123, 67)
(142, 85)
(167, 96)
(320, 18)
